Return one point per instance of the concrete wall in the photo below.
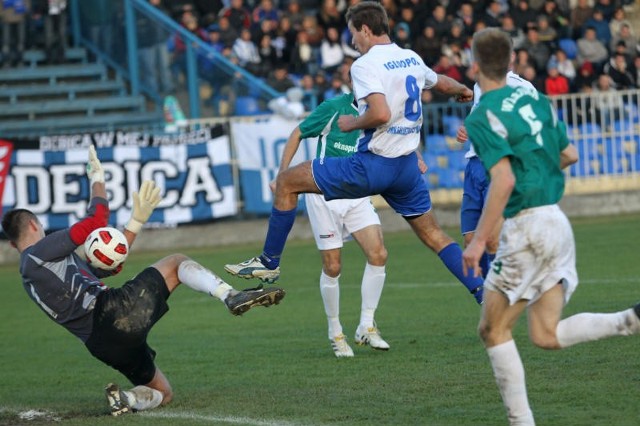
(232, 231)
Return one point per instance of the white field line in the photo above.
(36, 414)
(214, 419)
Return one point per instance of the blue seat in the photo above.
(569, 46)
(436, 144)
(247, 105)
(450, 178)
(451, 124)
(457, 160)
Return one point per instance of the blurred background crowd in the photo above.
(565, 46)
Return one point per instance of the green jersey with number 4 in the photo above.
(323, 122)
(521, 124)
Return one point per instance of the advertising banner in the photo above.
(193, 169)
(259, 145)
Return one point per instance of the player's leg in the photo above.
(178, 268)
(371, 241)
(325, 218)
(429, 232)
(547, 331)
(496, 323)
(290, 183)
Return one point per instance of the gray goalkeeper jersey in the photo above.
(61, 283)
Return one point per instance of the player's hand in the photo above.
(144, 202)
(346, 123)
(422, 166)
(465, 96)
(461, 134)
(471, 258)
(95, 172)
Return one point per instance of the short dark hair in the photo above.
(370, 13)
(14, 222)
(492, 49)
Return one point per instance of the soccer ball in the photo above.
(106, 248)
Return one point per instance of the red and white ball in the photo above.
(106, 248)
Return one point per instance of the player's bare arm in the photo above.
(377, 114)
(290, 149)
(568, 156)
(502, 184)
(449, 86)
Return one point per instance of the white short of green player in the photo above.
(336, 221)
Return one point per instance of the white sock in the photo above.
(143, 398)
(371, 289)
(587, 327)
(201, 279)
(330, 291)
(509, 373)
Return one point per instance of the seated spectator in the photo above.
(606, 7)
(228, 34)
(555, 83)
(619, 19)
(279, 79)
(529, 73)
(238, 16)
(466, 15)
(407, 15)
(621, 76)
(247, 52)
(265, 11)
(438, 20)
(608, 104)
(310, 99)
(601, 27)
(586, 76)
(428, 46)
(493, 13)
(294, 14)
(285, 39)
(516, 34)
(402, 35)
(546, 33)
(556, 19)
(207, 10)
(579, 15)
(565, 65)
(335, 89)
(314, 31)
(591, 49)
(328, 16)
(268, 56)
(456, 35)
(629, 40)
(522, 61)
(302, 56)
(538, 51)
(523, 16)
(331, 53)
(446, 67)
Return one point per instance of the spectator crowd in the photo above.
(565, 46)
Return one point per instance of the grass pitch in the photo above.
(275, 367)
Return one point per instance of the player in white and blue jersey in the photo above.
(387, 83)
(476, 183)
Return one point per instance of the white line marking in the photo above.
(214, 419)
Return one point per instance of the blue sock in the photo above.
(451, 256)
(280, 224)
(484, 264)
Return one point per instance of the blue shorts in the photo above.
(476, 186)
(397, 180)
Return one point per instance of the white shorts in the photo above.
(536, 251)
(333, 222)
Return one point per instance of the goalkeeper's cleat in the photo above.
(254, 268)
(117, 400)
(370, 336)
(340, 346)
(240, 302)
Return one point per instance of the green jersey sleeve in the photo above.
(316, 122)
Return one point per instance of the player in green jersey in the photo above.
(523, 146)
